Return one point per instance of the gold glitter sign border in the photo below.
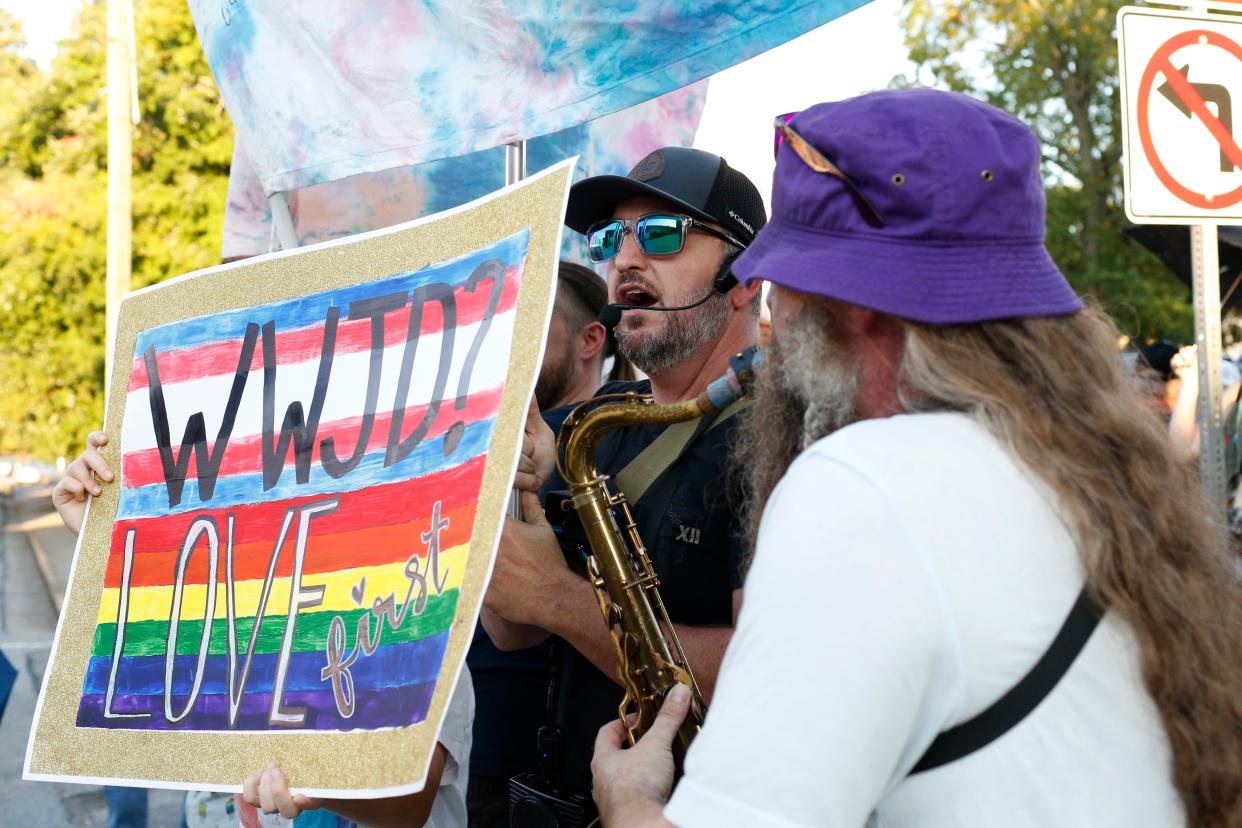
(368, 764)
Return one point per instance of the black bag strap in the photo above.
(1023, 697)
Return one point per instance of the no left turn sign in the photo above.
(1181, 73)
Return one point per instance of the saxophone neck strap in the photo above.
(638, 475)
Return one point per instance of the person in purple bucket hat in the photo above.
(984, 590)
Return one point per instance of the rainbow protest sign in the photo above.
(338, 531)
(315, 450)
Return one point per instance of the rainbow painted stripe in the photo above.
(300, 566)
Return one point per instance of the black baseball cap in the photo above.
(1159, 357)
(701, 184)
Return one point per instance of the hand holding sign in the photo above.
(82, 478)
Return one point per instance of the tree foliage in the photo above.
(15, 70)
(1053, 63)
(53, 192)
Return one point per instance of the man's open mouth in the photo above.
(637, 296)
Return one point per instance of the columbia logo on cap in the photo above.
(741, 221)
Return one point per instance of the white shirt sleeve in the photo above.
(457, 730)
(843, 668)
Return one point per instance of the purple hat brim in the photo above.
(937, 283)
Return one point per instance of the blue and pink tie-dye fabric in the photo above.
(608, 145)
(324, 89)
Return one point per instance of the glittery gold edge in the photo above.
(324, 762)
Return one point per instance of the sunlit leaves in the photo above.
(53, 185)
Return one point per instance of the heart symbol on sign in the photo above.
(359, 590)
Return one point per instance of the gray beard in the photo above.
(813, 369)
(684, 333)
(806, 388)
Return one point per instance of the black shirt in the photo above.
(689, 524)
(510, 691)
(511, 702)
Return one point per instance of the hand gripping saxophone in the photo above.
(649, 657)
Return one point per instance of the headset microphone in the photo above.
(610, 315)
(725, 281)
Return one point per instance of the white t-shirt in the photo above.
(909, 572)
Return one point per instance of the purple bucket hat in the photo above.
(958, 186)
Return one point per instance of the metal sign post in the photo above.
(1204, 257)
(515, 162)
(515, 171)
(122, 114)
(282, 221)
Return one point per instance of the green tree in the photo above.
(51, 299)
(16, 72)
(53, 187)
(1053, 63)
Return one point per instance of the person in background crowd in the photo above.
(578, 345)
(1020, 608)
(1153, 369)
(1183, 394)
(127, 807)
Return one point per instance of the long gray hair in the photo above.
(1052, 390)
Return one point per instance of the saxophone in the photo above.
(650, 659)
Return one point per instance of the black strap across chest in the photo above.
(1023, 697)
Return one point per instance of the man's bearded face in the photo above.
(554, 378)
(556, 375)
(810, 367)
(806, 388)
(659, 341)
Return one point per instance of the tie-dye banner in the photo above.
(606, 146)
(324, 89)
(315, 449)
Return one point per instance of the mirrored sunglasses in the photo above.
(657, 234)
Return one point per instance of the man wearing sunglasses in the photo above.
(973, 601)
(667, 232)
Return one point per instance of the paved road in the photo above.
(36, 552)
